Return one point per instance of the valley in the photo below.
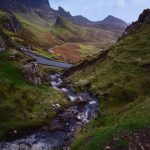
(70, 83)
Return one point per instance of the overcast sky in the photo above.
(96, 10)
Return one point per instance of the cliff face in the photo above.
(23, 5)
(41, 7)
(11, 23)
(143, 18)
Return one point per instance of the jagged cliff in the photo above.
(24, 5)
(143, 18)
(109, 23)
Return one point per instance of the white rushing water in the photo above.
(66, 123)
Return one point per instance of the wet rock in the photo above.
(56, 106)
(56, 124)
(83, 97)
(67, 116)
(32, 73)
(60, 131)
(107, 147)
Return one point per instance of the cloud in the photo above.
(140, 1)
(121, 3)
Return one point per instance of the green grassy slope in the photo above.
(23, 105)
(44, 34)
(121, 84)
(41, 34)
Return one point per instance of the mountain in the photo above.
(120, 78)
(41, 7)
(131, 29)
(112, 23)
(109, 23)
(24, 5)
(43, 27)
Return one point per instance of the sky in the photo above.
(96, 10)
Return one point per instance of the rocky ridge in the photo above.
(143, 18)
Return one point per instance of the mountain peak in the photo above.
(145, 16)
(62, 12)
(110, 19)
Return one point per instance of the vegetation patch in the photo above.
(23, 105)
(121, 85)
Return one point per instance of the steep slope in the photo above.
(21, 107)
(44, 28)
(120, 79)
(81, 41)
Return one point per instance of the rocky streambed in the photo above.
(59, 133)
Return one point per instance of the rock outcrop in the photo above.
(32, 73)
(8, 23)
(143, 18)
(2, 44)
(41, 7)
(23, 5)
(63, 13)
(11, 23)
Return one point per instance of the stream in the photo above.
(45, 61)
(59, 133)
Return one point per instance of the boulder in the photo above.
(32, 73)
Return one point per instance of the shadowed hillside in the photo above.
(120, 80)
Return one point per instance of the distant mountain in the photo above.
(109, 23)
(43, 9)
(112, 23)
(43, 27)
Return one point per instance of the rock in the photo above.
(32, 73)
(107, 147)
(143, 18)
(63, 13)
(92, 102)
(56, 124)
(56, 106)
(83, 97)
(2, 44)
(10, 22)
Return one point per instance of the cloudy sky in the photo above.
(96, 10)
